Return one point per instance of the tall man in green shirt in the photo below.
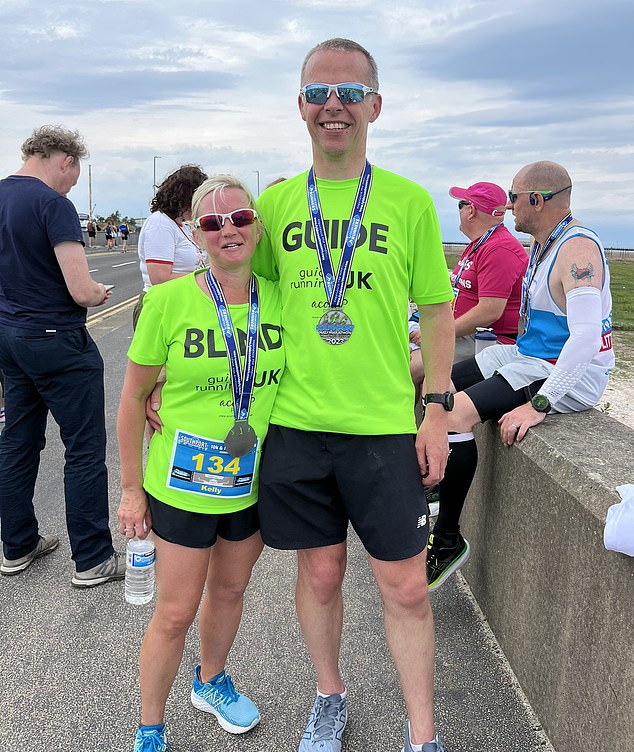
(350, 243)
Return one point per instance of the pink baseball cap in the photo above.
(488, 197)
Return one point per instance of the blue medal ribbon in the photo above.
(538, 254)
(335, 285)
(242, 379)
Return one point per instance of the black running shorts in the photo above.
(197, 530)
(492, 397)
(313, 483)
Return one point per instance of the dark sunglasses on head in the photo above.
(215, 222)
(347, 93)
(547, 195)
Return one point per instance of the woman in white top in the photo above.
(166, 247)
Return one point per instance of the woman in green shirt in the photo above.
(218, 334)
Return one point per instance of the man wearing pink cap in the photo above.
(487, 281)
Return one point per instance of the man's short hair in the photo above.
(345, 45)
(49, 139)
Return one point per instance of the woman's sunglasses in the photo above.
(215, 222)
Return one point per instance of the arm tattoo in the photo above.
(585, 272)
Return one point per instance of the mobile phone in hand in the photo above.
(109, 287)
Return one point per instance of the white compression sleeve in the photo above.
(583, 313)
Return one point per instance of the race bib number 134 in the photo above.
(203, 466)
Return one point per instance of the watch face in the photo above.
(449, 402)
(540, 403)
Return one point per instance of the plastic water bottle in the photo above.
(484, 338)
(139, 571)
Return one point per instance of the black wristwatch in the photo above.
(445, 399)
(541, 403)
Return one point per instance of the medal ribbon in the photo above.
(537, 256)
(463, 263)
(242, 379)
(336, 286)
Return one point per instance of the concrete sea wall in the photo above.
(560, 604)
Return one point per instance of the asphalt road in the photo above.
(68, 661)
(118, 269)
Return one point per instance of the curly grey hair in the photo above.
(49, 139)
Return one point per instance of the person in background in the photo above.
(199, 490)
(91, 230)
(487, 280)
(342, 445)
(50, 362)
(109, 232)
(124, 232)
(563, 354)
(275, 181)
(166, 247)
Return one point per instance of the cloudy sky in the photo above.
(472, 90)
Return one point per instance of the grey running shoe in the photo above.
(325, 725)
(113, 568)
(435, 746)
(45, 545)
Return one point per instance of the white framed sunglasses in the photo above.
(349, 93)
(215, 221)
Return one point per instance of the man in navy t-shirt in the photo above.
(50, 362)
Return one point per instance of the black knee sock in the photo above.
(453, 489)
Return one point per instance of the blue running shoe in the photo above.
(235, 712)
(325, 725)
(151, 739)
(435, 746)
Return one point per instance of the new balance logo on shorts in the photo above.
(422, 520)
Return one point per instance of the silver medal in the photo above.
(335, 326)
(241, 439)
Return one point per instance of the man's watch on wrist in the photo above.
(541, 403)
(442, 398)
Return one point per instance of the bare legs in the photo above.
(409, 630)
(221, 608)
(319, 605)
(181, 574)
(409, 625)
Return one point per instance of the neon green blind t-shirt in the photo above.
(179, 326)
(362, 386)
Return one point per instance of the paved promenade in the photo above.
(68, 661)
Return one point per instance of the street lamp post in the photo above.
(90, 191)
(154, 186)
(257, 172)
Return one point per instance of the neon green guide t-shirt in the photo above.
(362, 386)
(186, 465)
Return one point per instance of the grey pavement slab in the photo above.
(69, 668)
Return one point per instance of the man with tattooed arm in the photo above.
(560, 362)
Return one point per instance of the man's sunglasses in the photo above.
(347, 93)
(462, 204)
(547, 195)
(215, 222)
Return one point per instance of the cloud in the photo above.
(473, 89)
